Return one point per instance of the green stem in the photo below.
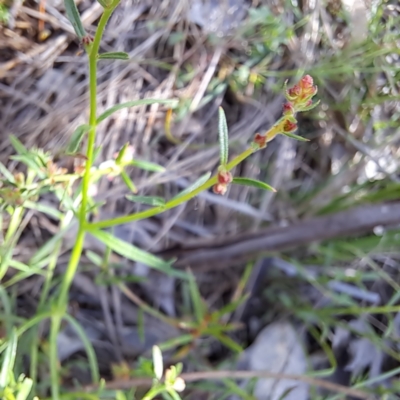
(173, 203)
(77, 250)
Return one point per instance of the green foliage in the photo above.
(4, 14)
(38, 174)
(74, 18)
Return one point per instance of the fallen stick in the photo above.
(219, 253)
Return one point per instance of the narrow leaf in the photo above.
(150, 200)
(128, 182)
(18, 146)
(197, 302)
(9, 360)
(104, 3)
(114, 55)
(131, 252)
(76, 138)
(253, 183)
(133, 103)
(223, 137)
(147, 166)
(87, 344)
(293, 136)
(74, 18)
(203, 179)
(311, 106)
(228, 342)
(6, 173)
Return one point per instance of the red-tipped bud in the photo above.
(260, 140)
(293, 93)
(306, 82)
(289, 126)
(220, 188)
(224, 177)
(288, 109)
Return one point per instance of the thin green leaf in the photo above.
(76, 138)
(91, 355)
(198, 305)
(297, 137)
(173, 394)
(229, 308)
(133, 103)
(114, 55)
(158, 366)
(311, 106)
(147, 166)
(128, 182)
(119, 395)
(30, 161)
(201, 181)
(74, 18)
(48, 247)
(45, 209)
(175, 342)
(228, 342)
(253, 183)
(24, 389)
(94, 258)
(150, 200)
(18, 146)
(104, 3)
(9, 360)
(223, 137)
(6, 173)
(131, 252)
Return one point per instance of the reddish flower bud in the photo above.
(260, 140)
(306, 82)
(294, 92)
(219, 188)
(289, 126)
(224, 177)
(288, 109)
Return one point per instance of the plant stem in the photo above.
(77, 249)
(173, 203)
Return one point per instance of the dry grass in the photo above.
(354, 138)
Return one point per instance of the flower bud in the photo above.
(224, 177)
(289, 126)
(293, 93)
(288, 109)
(260, 140)
(306, 82)
(179, 384)
(220, 188)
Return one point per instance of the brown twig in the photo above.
(227, 251)
(218, 375)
